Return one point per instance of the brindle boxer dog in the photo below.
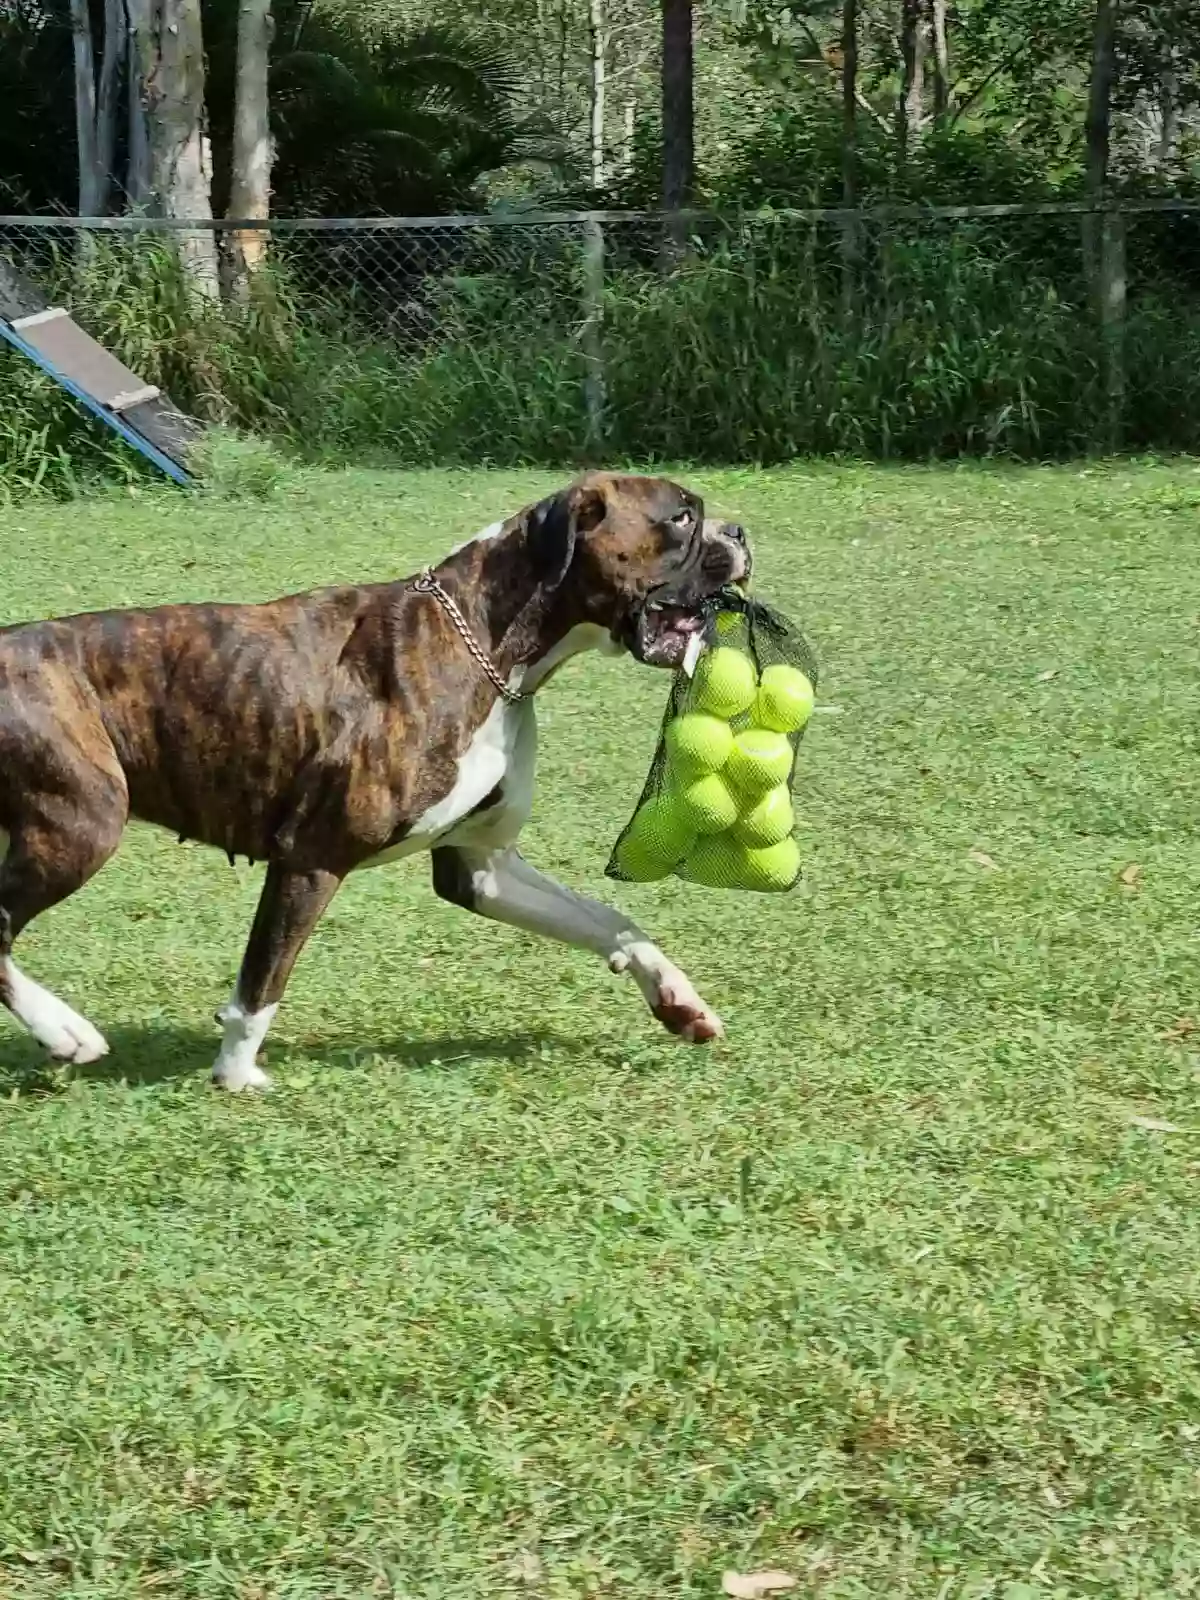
(343, 728)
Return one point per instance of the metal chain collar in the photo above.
(428, 584)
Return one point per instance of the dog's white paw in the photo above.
(670, 995)
(67, 1036)
(237, 1077)
(682, 1012)
(77, 1043)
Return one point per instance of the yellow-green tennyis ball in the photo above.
(725, 682)
(760, 759)
(658, 830)
(770, 870)
(706, 804)
(697, 744)
(716, 862)
(767, 820)
(785, 699)
(639, 864)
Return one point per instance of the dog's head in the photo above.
(638, 557)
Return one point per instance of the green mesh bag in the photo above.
(717, 808)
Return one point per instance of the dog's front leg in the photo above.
(290, 907)
(501, 885)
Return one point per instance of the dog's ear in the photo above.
(555, 524)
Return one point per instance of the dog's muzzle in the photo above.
(658, 631)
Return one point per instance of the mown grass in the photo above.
(501, 1292)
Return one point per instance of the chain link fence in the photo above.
(1033, 330)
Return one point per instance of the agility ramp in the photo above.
(139, 412)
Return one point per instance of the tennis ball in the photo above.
(728, 623)
(716, 862)
(785, 699)
(706, 805)
(768, 820)
(725, 682)
(759, 760)
(697, 744)
(658, 830)
(772, 869)
(639, 864)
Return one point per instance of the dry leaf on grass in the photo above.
(756, 1585)
(1131, 876)
(982, 859)
(1155, 1125)
(1044, 677)
(1178, 1031)
(526, 1568)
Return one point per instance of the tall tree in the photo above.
(678, 111)
(910, 101)
(169, 57)
(598, 40)
(96, 101)
(253, 150)
(850, 229)
(1098, 131)
(941, 61)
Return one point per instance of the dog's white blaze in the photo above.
(67, 1035)
(583, 636)
(236, 1065)
(502, 753)
(483, 765)
(492, 531)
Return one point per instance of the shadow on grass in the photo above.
(162, 1053)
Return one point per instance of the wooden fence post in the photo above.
(592, 336)
(1112, 305)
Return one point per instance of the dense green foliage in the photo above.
(763, 343)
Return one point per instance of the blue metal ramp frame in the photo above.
(105, 388)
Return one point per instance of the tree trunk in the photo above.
(170, 83)
(629, 136)
(941, 62)
(1097, 131)
(850, 229)
(1104, 237)
(1168, 109)
(112, 66)
(91, 183)
(137, 171)
(678, 129)
(598, 41)
(96, 105)
(250, 183)
(910, 104)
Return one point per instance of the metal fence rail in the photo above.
(592, 316)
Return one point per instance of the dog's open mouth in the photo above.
(661, 633)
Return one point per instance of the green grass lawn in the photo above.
(503, 1292)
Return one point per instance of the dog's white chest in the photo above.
(501, 756)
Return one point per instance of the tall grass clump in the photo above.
(236, 365)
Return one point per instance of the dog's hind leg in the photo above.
(53, 849)
(289, 909)
(501, 884)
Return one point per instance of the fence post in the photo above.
(592, 335)
(1112, 297)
